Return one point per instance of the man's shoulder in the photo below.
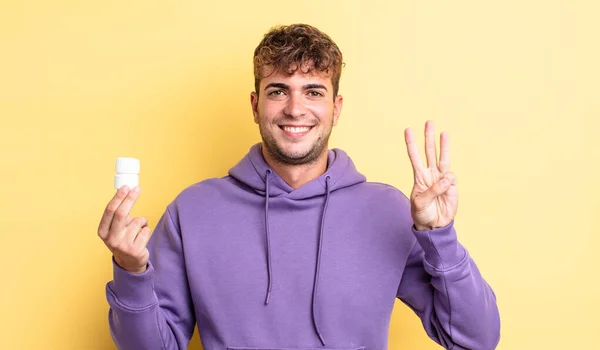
(380, 188)
(381, 193)
(206, 190)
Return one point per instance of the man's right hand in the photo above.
(126, 237)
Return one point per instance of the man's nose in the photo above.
(295, 106)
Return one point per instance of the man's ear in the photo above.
(337, 108)
(254, 103)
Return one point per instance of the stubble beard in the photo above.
(281, 156)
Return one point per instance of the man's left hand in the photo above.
(434, 197)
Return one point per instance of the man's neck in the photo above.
(297, 175)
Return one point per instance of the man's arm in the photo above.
(153, 309)
(441, 283)
(444, 287)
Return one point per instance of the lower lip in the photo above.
(296, 134)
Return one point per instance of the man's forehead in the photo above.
(270, 75)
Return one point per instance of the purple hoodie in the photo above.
(259, 265)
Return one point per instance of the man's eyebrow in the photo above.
(287, 87)
(278, 85)
(314, 86)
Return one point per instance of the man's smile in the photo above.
(296, 130)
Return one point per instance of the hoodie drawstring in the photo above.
(270, 273)
(318, 264)
(316, 283)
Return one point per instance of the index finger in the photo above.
(413, 150)
(122, 217)
(109, 212)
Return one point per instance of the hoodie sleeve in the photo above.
(153, 310)
(444, 287)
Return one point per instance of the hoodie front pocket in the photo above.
(274, 348)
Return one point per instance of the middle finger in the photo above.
(430, 150)
(122, 217)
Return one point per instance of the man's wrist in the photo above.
(423, 228)
(419, 227)
(136, 271)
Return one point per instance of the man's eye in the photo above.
(314, 93)
(276, 93)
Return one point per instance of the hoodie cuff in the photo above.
(134, 291)
(441, 247)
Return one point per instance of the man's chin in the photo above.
(291, 156)
(294, 153)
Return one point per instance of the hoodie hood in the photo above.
(254, 172)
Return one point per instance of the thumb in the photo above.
(436, 190)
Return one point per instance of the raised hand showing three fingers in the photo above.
(434, 197)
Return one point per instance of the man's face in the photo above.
(295, 114)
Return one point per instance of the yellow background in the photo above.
(515, 83)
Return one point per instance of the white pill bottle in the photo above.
(127, 172)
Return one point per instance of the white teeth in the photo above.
(296, 129)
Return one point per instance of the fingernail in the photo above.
(124, 189)
(444, 183)
(136, 189)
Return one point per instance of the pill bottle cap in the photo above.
(128, 165)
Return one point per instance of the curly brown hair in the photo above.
(298, 46)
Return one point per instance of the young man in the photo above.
(294, 249)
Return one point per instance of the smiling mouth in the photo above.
(295, 131)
